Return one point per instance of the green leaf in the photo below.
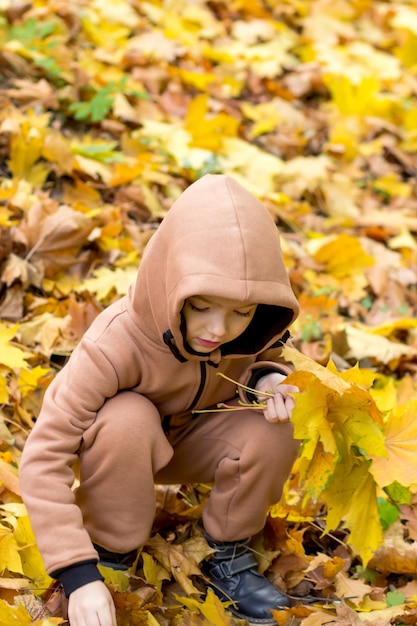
(50, 66)
(395, 598)
(96, 109)
(32, 30)
(100, 151)
(388, 513)
(398, 493)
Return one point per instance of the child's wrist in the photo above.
(78, 575)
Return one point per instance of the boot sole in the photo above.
(254, 621)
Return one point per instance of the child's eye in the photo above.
(193, 307)
(244, 313)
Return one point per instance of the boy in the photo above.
(212, 296)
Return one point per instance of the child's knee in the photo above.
(127, 418)
(274, 444)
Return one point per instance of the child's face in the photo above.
(211, 321)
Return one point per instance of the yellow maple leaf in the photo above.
(154, 572)
(127, 171)
(212, 608)
(401, 445)
(26, 149)
(353, 97)
(9, 551)
(28, 380)
(10, 355)
(265, 116)
(5, 214)
(208, 130)
(385, 394)
(316, 472)
(4, 392)
(356, 375)
(339, 423)
(392, 185)
(310, 418)
(359, 421)
(391, 327)
(255, 169)
(16, 615)
(104, 33)
(200, 80)
(327, 375)
(105, 280)
(343, 256)
(405, 21)
(304, 173)
(351, 497)
(119, 579)
(32, 562)
(345, 132)
(57, 150)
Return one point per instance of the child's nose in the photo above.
(217, 325)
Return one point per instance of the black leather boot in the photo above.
(233, 576)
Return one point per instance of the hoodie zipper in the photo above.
(203, 377)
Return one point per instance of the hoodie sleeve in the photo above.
(46, 471)
(268, 361)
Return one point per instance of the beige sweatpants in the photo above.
(246, 458)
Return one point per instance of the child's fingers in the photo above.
(281, 389)
(278, 409)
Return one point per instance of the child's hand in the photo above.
(279, 407)
(91, 605)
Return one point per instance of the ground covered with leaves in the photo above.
(108, 111)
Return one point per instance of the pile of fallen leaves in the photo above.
(109, 110)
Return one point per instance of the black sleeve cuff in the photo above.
(77, 575)
(257, 374)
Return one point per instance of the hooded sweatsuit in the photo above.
(123, 406)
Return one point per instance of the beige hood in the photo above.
(216, 240)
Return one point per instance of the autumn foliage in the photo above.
(108, 111)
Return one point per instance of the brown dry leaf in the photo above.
(54, 235)
(315, 619)
(8, 477)
(409, 517)
(15, 583)
(346, 616)
(383, 617)
(364, 344)
(395, 555)
(22, 270)
(57, 150)
(174, 560)
(12, 304)
(324, 569)
(82, 313)
(350, 589)
(46, 331)
(130, 609)
(33, 94)
(410, 592)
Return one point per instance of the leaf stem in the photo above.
(245, 387)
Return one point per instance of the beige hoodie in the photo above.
(216, 240)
